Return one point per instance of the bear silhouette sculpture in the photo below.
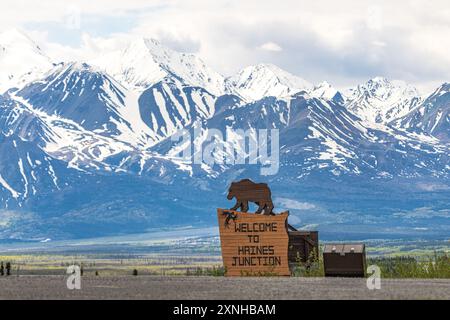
(246, 191)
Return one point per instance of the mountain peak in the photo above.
(14, 35)
(381, 100)
(143, 45)
(80, 66)
(21, 60)
(267, 66)
(378, 79)
(444, 87)
(381, 85)
(265, 79)
(325, 90)
(144, 62)
(440, 92)
(375, 84)
(323, 84)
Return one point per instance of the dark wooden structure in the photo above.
(344, 260)
(252, 244)
(303, 246)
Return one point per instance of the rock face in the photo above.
(91, 148)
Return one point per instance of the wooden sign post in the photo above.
(254, 244)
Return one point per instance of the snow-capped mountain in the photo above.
(74, 115)
(21, 60)
(87, 148)
(81, 115)
(94, 100)
(144, 62)
(431, 116)
(327, 92)
(262, 80)
(322, 136)
(60, 138)
(380, 100)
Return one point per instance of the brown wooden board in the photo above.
(254, 244)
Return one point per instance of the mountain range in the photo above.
(87, 147)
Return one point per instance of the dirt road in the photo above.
(178, 287)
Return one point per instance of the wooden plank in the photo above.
(254, 244)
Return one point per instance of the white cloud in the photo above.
(431, 187)
(271, 46)
(374, 18)
(343, 42)
(294, 204)
(423, 213)
(379, 43)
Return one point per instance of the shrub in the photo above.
(436, 266)
(313, 267)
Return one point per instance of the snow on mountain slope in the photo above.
(262, 80)
(432, 116)
(61, 138)
(82, 116)
(91, 99)
(21, 60)
(26, 170)
(325, 91)
(324, 137)
(144, 62)
(17, 119)
(380, 100)
(170, 105)
(319, 137)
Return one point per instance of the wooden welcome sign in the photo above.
(254, 244)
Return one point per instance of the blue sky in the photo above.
(94, 25)
(344, 42)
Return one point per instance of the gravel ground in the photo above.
(197, 288)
